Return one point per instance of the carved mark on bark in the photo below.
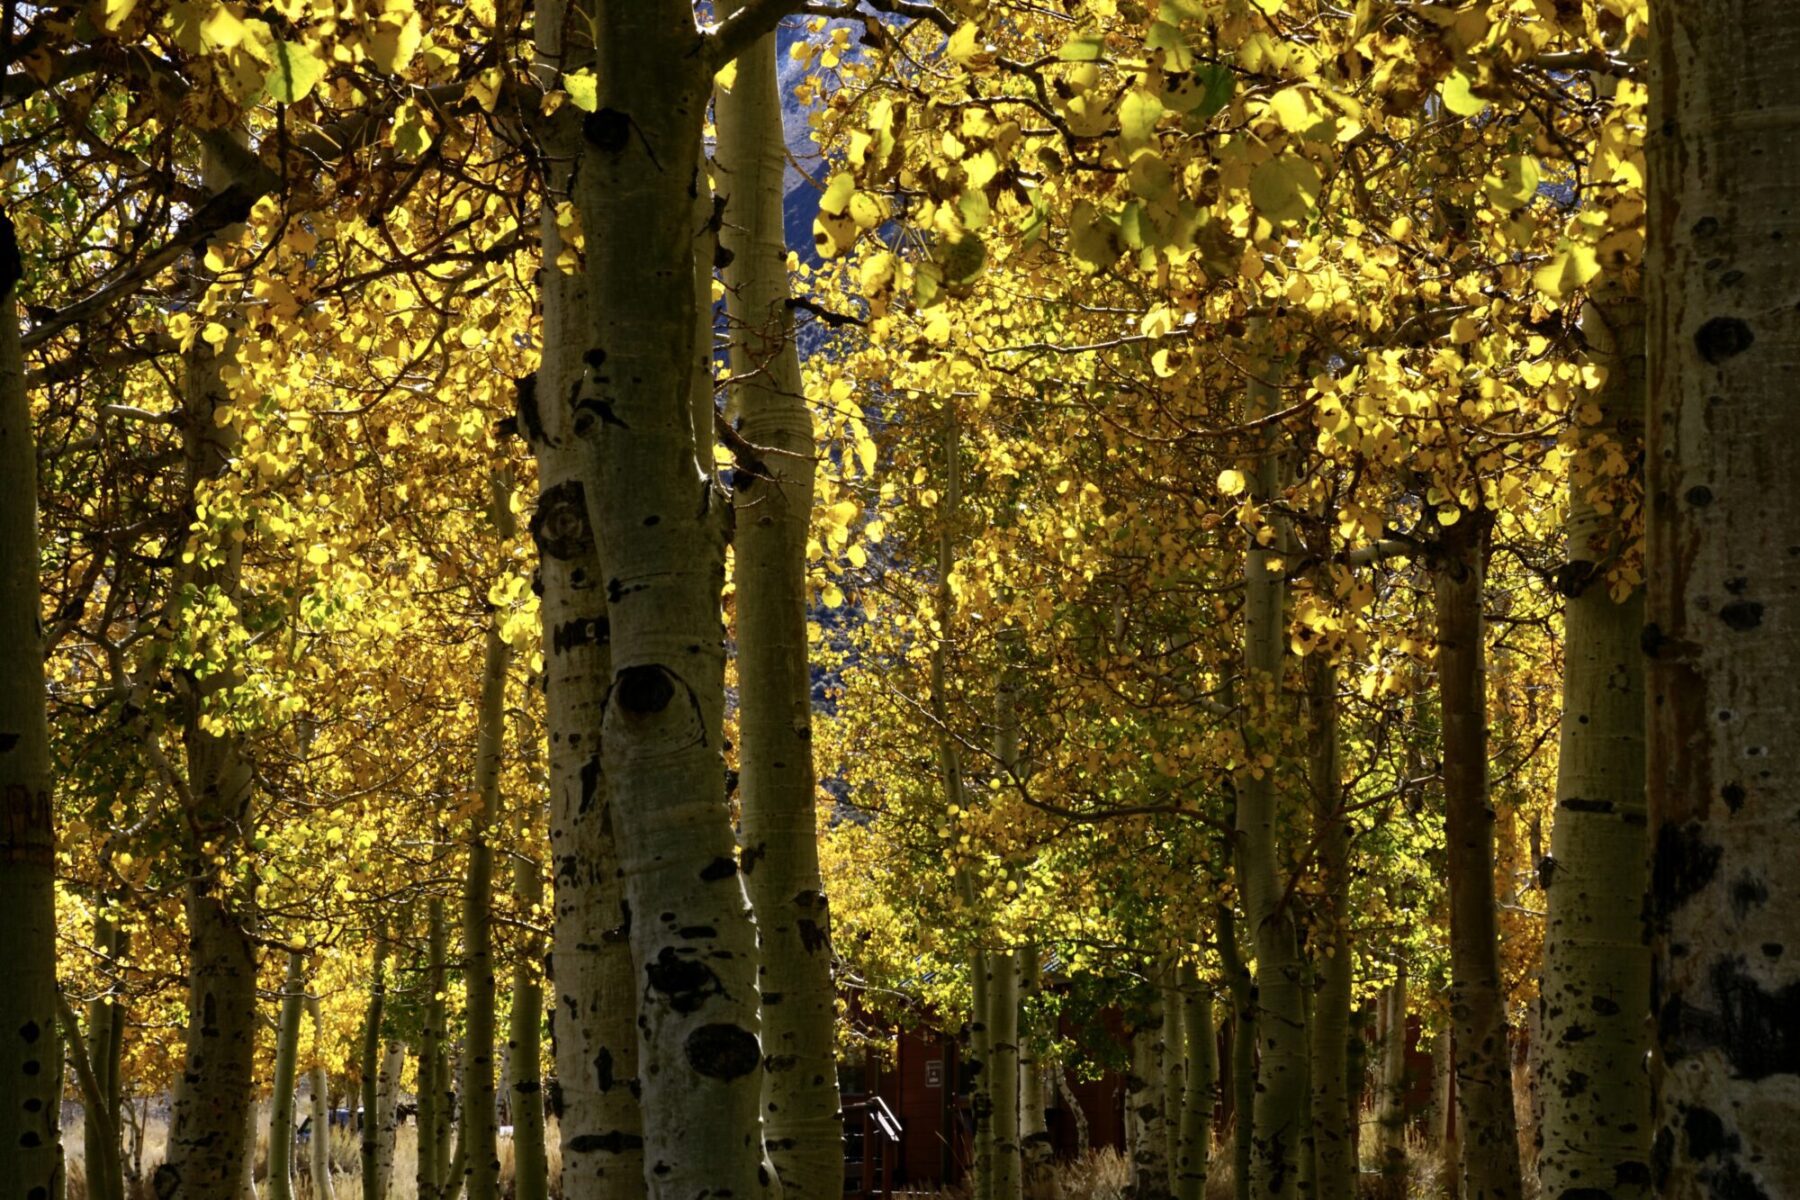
(560, 527)
(643, 690)
(688, 984)
(1722, 338)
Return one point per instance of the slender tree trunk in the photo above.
(1333, 1106)
(369, 1089)
(1200, 1086)
(29, 1111)
(1003, 1030)
(1073, 1103)
(387, 1113)
(1477, 1003)
(480, 1135)
(208, 1140)
(1243, 1050)
(773, 501)
(1391, 1115)
(1144, 1108)
(1592, 1036)
(1724, 599)
(1035, 1147)
(281, 1103)
(531, 1159)
(659, 521)
(1174, 1067)
(106, 1031)
(1279, 1122)
(319, 1143)
(437, 1096)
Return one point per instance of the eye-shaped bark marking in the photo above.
(723, 1051)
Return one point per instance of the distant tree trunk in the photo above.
(1592, 1036)
(106, 1037)
(773, 501)
(659, 520)
(1003, 1028)
(1036, 1149)
(1333, 1109)
(1391, 1115)
(287, 1057)
(531, 1160)
(1073, 1103)
(319, 1142)
(1279, 1121)
(1200, 1085)
(370, 1067)
(32, 1159)
(1724, 598)
(438, 1109)
(479, 1133)
(1174, 1067)
(1243, 1050)
(1477, 1004)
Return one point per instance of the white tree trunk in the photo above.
(1723, 598)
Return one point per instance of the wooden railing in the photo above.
(872, 1142)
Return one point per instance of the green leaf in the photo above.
(1094, 237)
(1167, 38)
(1286, 188)
(1571, 267)
(1138, 114)
(1083, 47)
(1514, 182)
(1201, 93)
(296, 72)
(1458, 97)
(583, 88)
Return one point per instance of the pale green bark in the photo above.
(1035, 1147)
(287, 1057)
(1592, 1037)
(1391, 1113)
(1723, 582)
(531, 1161)
(1333, 1113)
(772, 496)
(318, 1145)
(1199, 1087)
(387, 1113)
(437, 1099)
(1003, 1079)
(105, 1045)
(105, 1164)
(1174, 1067)
(1243, 1050)
(659, 524)
(1477, 1004)
(1149, 1141)
(1279, 1122)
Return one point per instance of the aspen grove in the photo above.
(578, 575)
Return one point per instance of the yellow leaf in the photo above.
(1285, 188)
(1231, 482)
(1571, 267)
(295, 72)
(1458, 97)
(583, 89)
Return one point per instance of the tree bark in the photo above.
(1279, 1121)
(1391, 1115)
(369, 1069)
(1003, 1031)
(1144, 1107)
(1592, 1035)
(387, 1113)
(659, 523)
(1332, 1104)
(772, 499)
(1723, 599)
(1477, 1003)
(287, 1057)
(1243, 1050)
(1200, 1087)
(319, 1142)
(1035, 1147)
(525, 1019)
(1174, 1067)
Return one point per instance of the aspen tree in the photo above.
(319, 1140)
(1332, 1104)
(1149, 1145)
(287, 1058)
(1243, 1049)
(772, 499)
(1592, 1037)
(105, 1046)
(1391, 1114)
(1174, 1066)
(31, 1162)
(369, 1068)
(1200, 1087)
(1035, 1146)
(1723, 599)
(387, 1112)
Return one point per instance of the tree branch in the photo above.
(743, 28)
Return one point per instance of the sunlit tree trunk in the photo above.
(208, 1140)
(436, 1098)
(531, 1161)
(1144, 1106)
(287, 1058)
(659, 523)
(1332, 1104)
(1199, 1087)
(105, 1046)
(1723, 599)
(772, 495)
(387, 1113)
(1003, 1031)
(1592, 1036)
(319, 1140)
(1477, 1003)
(1035, 1147)
(593, 1016)
(1279, 1120)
